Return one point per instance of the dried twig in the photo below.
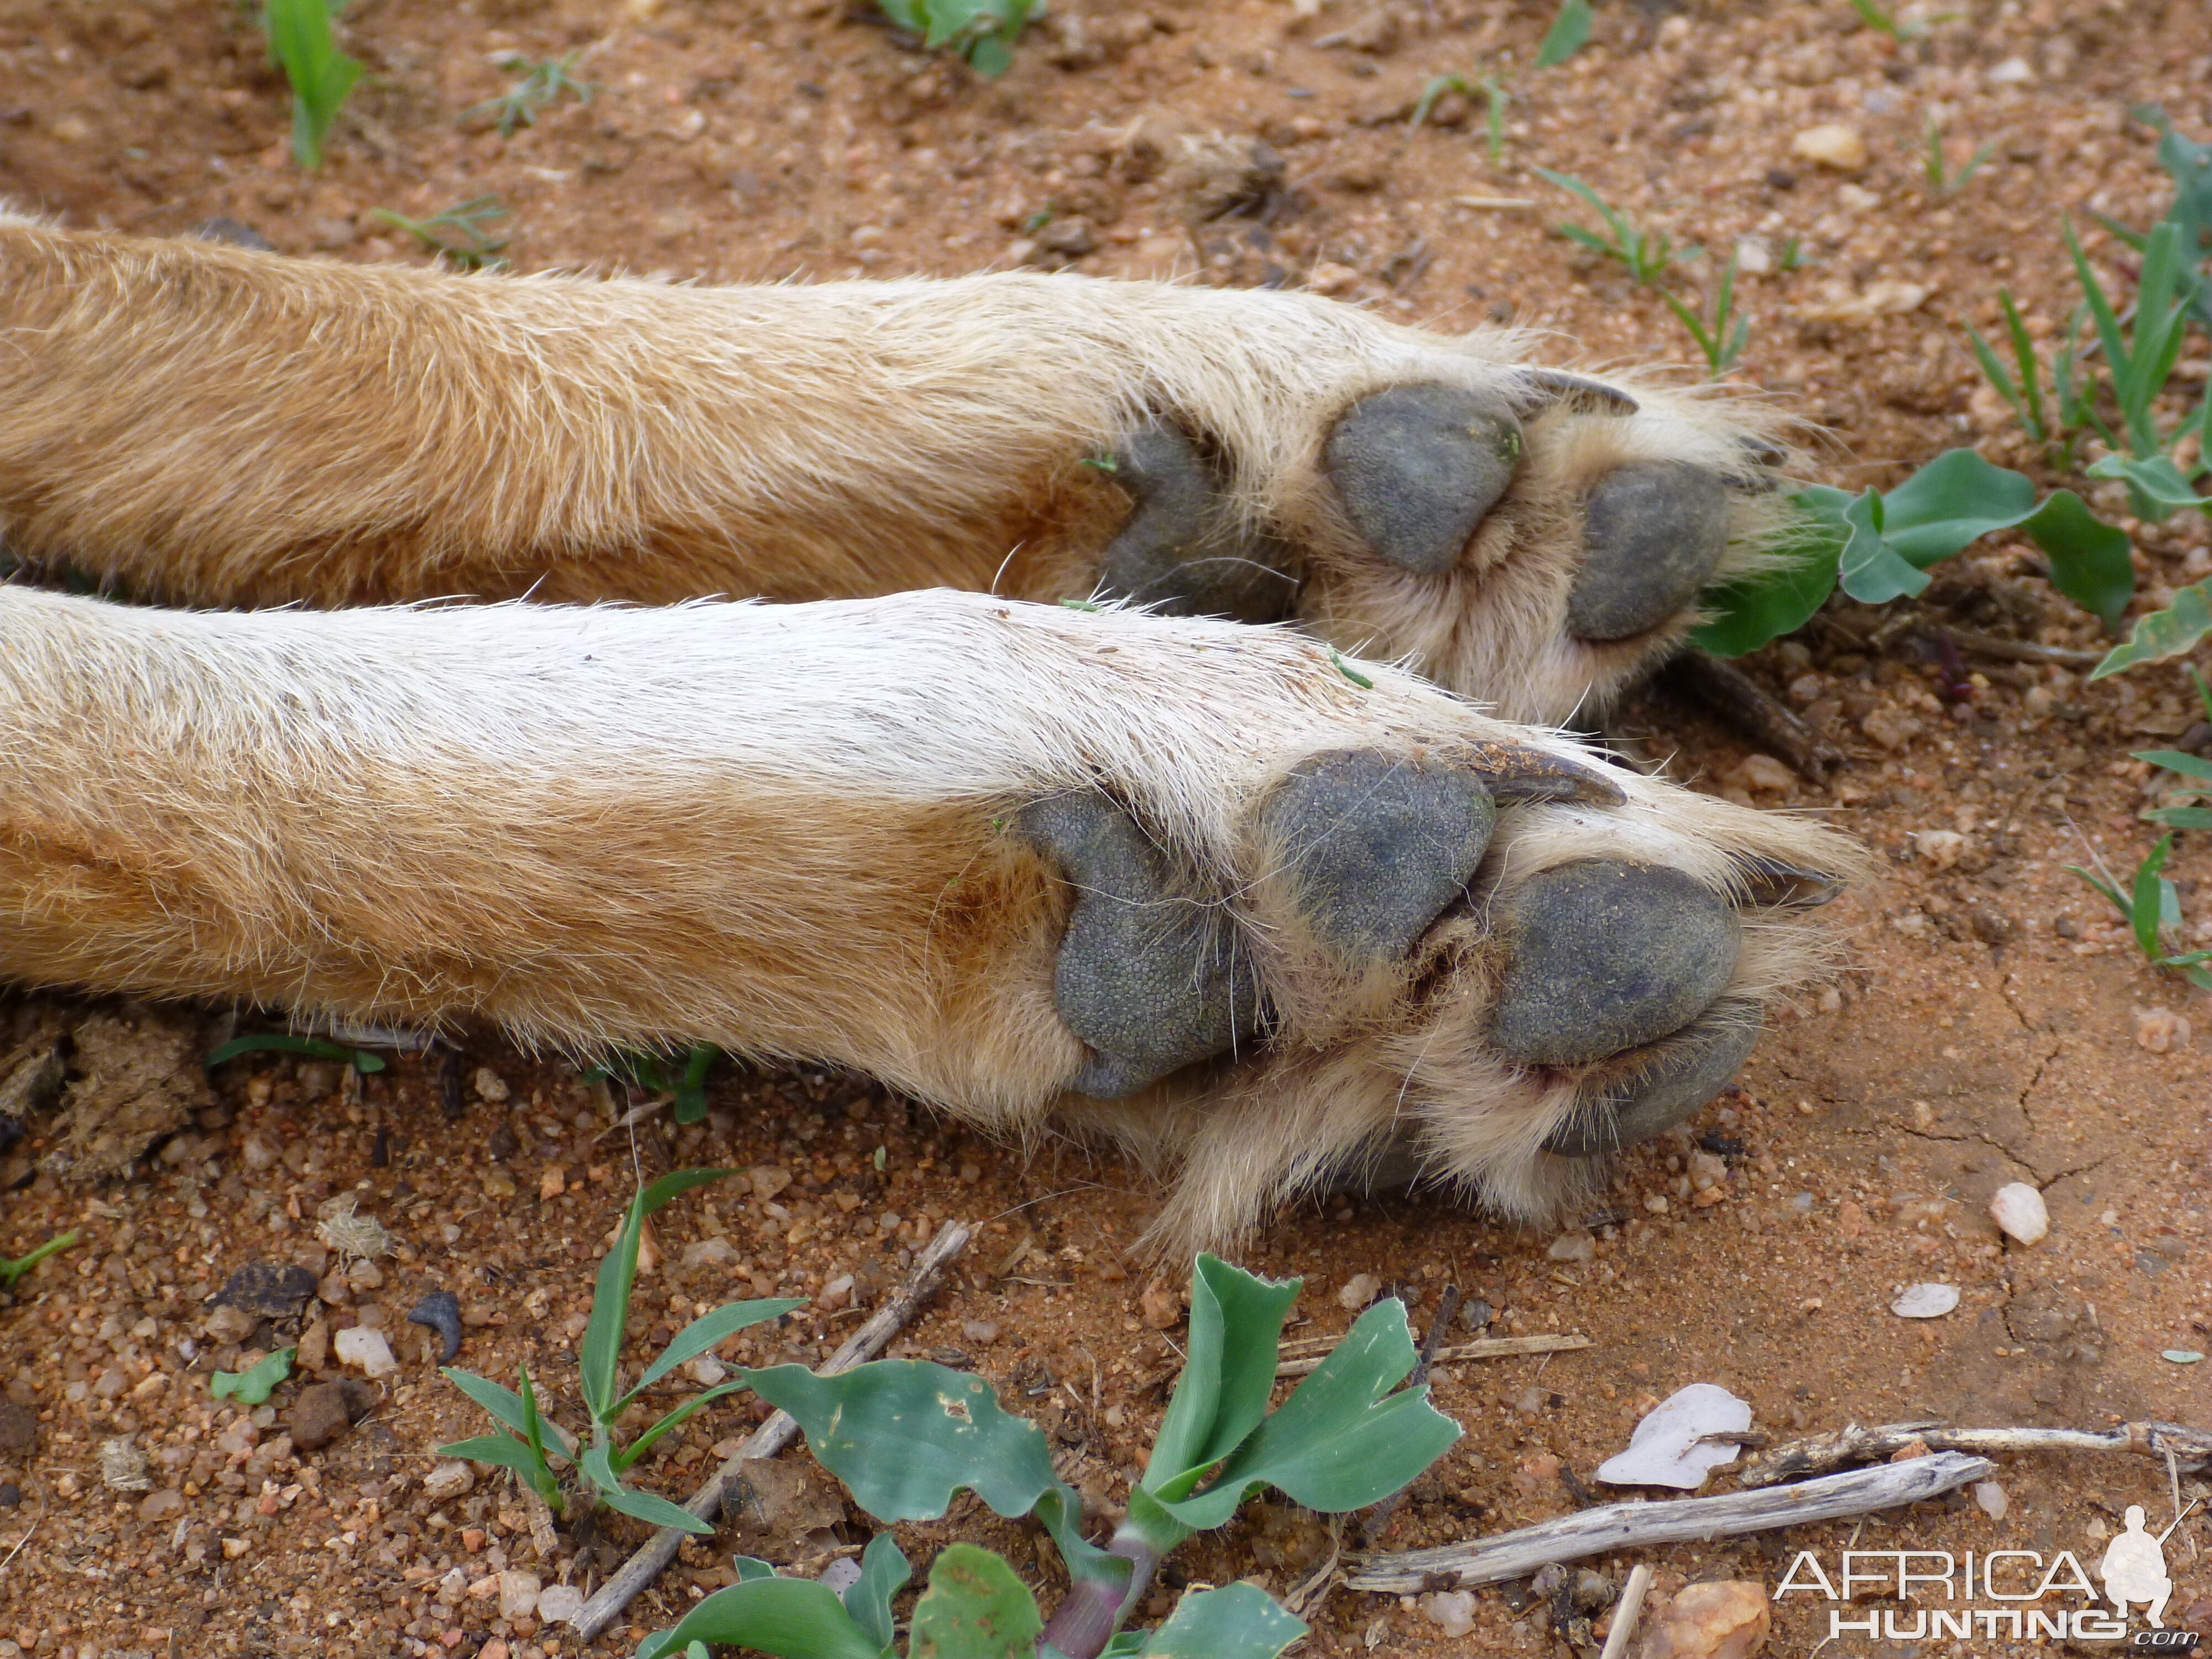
(773, 1435)
(1818, 1454)
(1624, 1615)
(1636, 1526)
(1732, 694)
(1490, 1347)
(2004, 650)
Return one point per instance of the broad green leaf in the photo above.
(1342, 1441)
(884, 1570)
(1870, 570)
(1569, 33)
(1061, 1511)
(1763, 606)
(948, 1428)
(676, 1419)
(2091, 563)
(2182, 817)
(704, 1332)
(1956, 499)
(2156, 483)
(751, 1566)
(1237, 1621)
(648, 1507)
(2167, 633)
(600, 1358)
(790, 1618)
(507, 1453)
(254, 1385)
(2174, 760)
(974, 1609)
(2153, 896)
(1236, 1323)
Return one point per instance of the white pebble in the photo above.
(518, 1595)
(706, 1370)
(1991, 1497)
(2020, 1213)
(490, 1086)
(1831, 145)
(1358, 1291)
(359, 1346)
(1450, 1611)
(1577, 1246)
(1925, 1300)
(559, 1603)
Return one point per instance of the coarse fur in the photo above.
(211, 425)
(787, 830)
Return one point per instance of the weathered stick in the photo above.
(1737, 698)
(2005, 650)
(1636, 1526)
(1490, 1347)
(1625, 1615)
(1819, 1453)
(773, 1435)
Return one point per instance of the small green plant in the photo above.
(2151, 905)
(2162, 634)
(1569, 33)
(13, 1268)
(650, 1073)
(981, 31)
(283, 1043)
(1721, 340)
(1935, 167)
(1494, 97)
(320, 74)
(1645, 254)
(522, 1444)
(541, 87)
(906, 1436)
(254, 1385)
(2139, 358)
(2055, 421)
(462, 234)
(1878, 546)
(1875, 15)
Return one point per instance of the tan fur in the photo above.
(211, 425)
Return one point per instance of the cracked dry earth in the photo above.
(1989, 1022)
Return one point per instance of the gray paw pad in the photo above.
(1183, 550)
(1148, 981)
(1418, 466)
(1652, 532)
(1376, 846)
(1680, 1077)
(1606, 956)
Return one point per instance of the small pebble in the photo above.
(719, 1251)
(1941, 847)
(11, 1496)
(315, 1346)
(2020, 1213)
(1832, 144)
(1358, 1291)
(551, 1183)
(1764, 774)
(518, 1594)
(1163, 1309)
(1925, 1302)
(706, 1371)
(365, 1348)
(2161, 1030)
(440, 1312)
(1573, 1247)
(1991, 1497)
(448, 1479)
(1673, 1445)
(981, 1330)
(1727, 1620)
(837, 1293)
(490, 1086)
(159, 1505)
(1450, 1611)
(841, 1574)
(319, 1416)
(558, 1603)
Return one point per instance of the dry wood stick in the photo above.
(1490, 1347)
(1625, 1615)
(1634, 1526)
(1818, 1454)
(1737, 698)
(773, 1435)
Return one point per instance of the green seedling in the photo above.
(541, 87)
(1494, 98)
(906, 1436)
(1349, 671)
(1877, 17)
(1879, 546)
(1569, 33)
(649, 1072)
(1722, 342)
(1934, 168)
(2151, 905)
(2139, 359)
(282, 1042)
(320, 74)
(13, 1268)
(2057, 419)
(1793, 256)
(462, 234)
(522, 1444)
(254, 1385)
(2189, 166)
(981, 31)
(1645, 254)
(2167, 633)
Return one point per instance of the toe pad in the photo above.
(1418, 467)
(1652, 532)
(1680, 1076)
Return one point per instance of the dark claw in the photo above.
(1773, 882)
(1418, 467)
(1183, 552)
(1147, 979)
(1689, 1070)
(1513, 772)
(1606, 955)
(441, 1311)
(1378, 846)
(1557, 385)
(1652, 532)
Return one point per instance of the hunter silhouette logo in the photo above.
(2134, 1567)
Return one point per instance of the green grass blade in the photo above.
(1569, 33)
(2147, 900)
(648, 1507)
(2182, 817)
(502, 1403)
(704, 1332)
(10, 1271)
(600, 1357)
(2177, 761)
(637, 1448)
(2118, 899)
(2031, 373)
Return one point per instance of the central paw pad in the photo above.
(1653, 531)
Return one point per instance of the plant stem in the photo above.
(1086, 1619)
